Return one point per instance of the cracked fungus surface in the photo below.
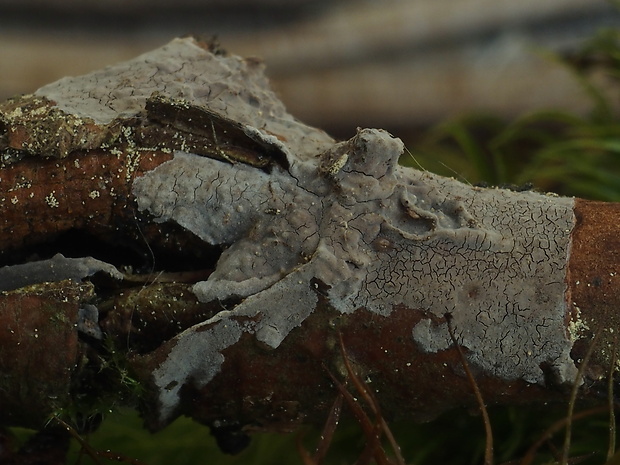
(374, 234)
(378, 235)
(183, 71)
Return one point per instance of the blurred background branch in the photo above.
(396, 64)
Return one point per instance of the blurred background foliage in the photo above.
(553, 150)
(456, 438)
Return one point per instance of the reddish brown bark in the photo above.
(42, 198)
(593, 276)
(39, 350)
(281, 390)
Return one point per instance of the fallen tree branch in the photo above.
(233, 244)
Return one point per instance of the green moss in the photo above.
(105, 384)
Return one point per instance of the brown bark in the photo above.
(254, 243)
(45, 198)
(593, 281)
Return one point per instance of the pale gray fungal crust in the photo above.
(377, 235)
(182, 70)
(57, 268)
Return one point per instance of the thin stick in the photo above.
(555, 427)
(362, 419)
(488, 450)
(372, 448)
(94, 453)
(374, 405)
(610, 400)
(573, 399)
(327, 434)
(305, 456)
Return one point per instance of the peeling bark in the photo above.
(233, 245)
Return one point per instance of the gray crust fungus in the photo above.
(183, 70)
(57, 268)
(377, 235)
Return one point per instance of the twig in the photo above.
(367, 426)
(94, 453)
(328, 431)
(610, 399)
(528, 458)
(573, 398)
(488, 450)
(372, 402)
